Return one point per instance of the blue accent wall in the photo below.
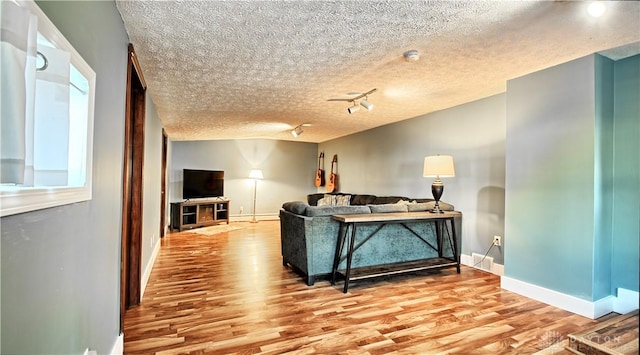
(549, 199)
(626, 189)
(603, 176)
(572, 202)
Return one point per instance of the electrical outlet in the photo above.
(497, 240)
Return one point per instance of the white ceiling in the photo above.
(257, 69)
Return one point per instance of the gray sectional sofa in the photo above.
(309, 234)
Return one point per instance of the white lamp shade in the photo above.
(439, 166)
(256, 174)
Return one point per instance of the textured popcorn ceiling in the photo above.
(257, 69)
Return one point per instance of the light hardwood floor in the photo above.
(230, 293)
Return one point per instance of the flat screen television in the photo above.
(202, 183)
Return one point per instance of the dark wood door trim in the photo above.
(131, 239)
(163, 185)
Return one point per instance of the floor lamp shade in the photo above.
(438, 166)
(256, 174)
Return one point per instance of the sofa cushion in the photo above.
(428, 206)
(419, 200)
(381, 200)
(406, 202)
(362, 199)
(297, 207)
(316, 211)
(389, 207)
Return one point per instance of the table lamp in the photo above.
(438, 166)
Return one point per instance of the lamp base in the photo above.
(436, 209)
(437, 188)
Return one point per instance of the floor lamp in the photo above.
(255, 174)
(438, 166)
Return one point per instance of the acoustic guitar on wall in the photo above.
(320, 181)
(332, 186)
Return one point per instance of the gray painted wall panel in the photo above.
(151, 186)
(60, 266)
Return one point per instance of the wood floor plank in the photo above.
(230, 294)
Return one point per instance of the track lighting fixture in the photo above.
(354, 101)
(366, 104)
(297, 131)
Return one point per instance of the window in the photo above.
(47, 114)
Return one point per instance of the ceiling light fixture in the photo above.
(366, 104)
(297, 131)
(354, 101)
(596, 9)
(411, 55)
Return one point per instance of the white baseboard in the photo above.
(118, 347)
(497, 269)
(148, 268)
(624, 302)
(249, 218)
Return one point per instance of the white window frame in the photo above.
(15, 199)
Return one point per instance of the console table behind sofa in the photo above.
(445, 233)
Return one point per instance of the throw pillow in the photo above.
(327, 200)
(343, 200)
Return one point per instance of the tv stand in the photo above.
(199, 213)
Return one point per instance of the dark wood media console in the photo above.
(199, 213)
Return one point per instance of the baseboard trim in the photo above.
(249, 218)
(496, 269)
(118, 347)
(625, 301)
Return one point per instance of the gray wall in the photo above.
(389, 160)
(60, 266)
(151, 185)
(288, 168)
